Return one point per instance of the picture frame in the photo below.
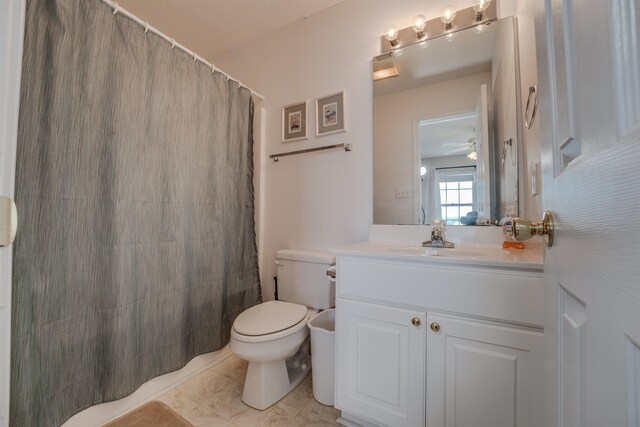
(330, 115)
(294, 122)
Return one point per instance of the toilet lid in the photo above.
(269, 317)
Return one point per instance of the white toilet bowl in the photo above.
(269, 337)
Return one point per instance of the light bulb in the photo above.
(418, 24)
(448, 15)
(391, 34)
(473, 155)
(423, 170)
(479, 6)
(480, 28)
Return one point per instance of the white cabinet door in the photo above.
(482, 374)
(380, 363)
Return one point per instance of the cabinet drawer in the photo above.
(497, 294)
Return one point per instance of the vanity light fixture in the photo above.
(479, 6)
(423, 30)
(447, 17)
(473, 155)
(418, 24)
(391, 34)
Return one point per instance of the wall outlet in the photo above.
(403, 192)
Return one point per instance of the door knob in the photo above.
(523, 229)
(8, 221)
(416, 321)
(435, 327)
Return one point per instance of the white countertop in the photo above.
(462, 254)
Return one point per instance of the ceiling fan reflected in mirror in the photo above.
(461, 147)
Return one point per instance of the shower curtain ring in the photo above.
(173, 43)
(195, 57)
(116, 9)
(213, 69)
(146, 27)
(227, 74)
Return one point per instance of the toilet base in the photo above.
(268, 382)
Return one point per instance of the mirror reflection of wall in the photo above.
(439, 128)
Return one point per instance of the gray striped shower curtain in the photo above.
(135, 190)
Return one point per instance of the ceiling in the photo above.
(463, 54)
(212, 27)
(447, 136)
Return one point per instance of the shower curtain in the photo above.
(134, 185)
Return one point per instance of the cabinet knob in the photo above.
(416, 321)
(435, 327)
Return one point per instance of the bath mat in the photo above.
(155, 414)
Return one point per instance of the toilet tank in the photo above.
(302, 277)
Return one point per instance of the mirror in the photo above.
(445, 129)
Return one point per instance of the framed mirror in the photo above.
(446, 129)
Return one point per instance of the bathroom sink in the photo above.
(464, 253)
(457, 252)
(453, 252)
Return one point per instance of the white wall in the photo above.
(505, 124)
(393, 136)
(530, 137)
(325, 199)
(525, 10)
(319, 200)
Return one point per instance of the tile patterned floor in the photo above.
(214, 399)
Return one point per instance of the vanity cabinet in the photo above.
(438, 345)
(381, 362)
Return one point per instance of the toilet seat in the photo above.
(269, 320)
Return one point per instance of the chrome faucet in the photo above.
(437, 237)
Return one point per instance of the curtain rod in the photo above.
(117, 9)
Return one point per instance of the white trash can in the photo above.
(323, 345)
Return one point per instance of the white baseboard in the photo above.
(349, 420)
(152, 389)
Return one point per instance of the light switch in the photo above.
(534, 179)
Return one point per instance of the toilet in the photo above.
(272, 336)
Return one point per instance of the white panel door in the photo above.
(380, 363)
(482, 374)
(11, 36)
(589, 70)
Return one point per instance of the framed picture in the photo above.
(330, 114)
(294, 122)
